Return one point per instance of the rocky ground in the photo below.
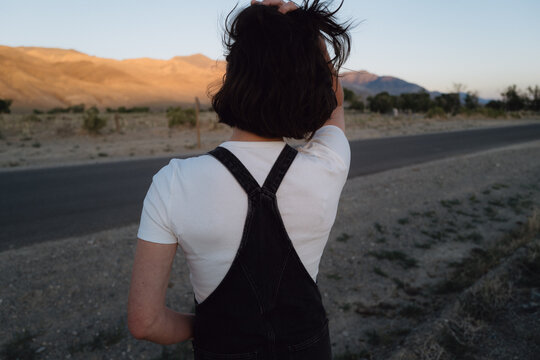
(432, 261)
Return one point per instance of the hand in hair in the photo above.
(283, 7)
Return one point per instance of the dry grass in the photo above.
(456, 337)
(481, 261)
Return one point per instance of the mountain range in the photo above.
(365, 84)
(44, 78)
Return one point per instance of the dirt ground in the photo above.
(412, 269)
(57, 140)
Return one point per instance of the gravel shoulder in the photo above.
(387, 272)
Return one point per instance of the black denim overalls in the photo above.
(267, 306)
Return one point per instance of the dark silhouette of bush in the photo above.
(4, 106)
(348, 95)
(77, 109)
(382, 102)
(178, 116)
(512, 99)
(352, 100)
(495, 105)
(357, 104)
(92, 122)
(414, 102)
(471, 101)
(450, 103)
(58, 110)
(534, 101)
(124, 110)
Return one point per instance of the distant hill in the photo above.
(366, 84)
(44, 78)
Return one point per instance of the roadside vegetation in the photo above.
(513, 101)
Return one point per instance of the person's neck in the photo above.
(242, 135)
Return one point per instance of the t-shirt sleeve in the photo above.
(333, 138)
(155, 223)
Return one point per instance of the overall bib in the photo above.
(267, 306)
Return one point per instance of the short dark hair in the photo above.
(278, 82)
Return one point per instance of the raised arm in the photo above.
(337, 118)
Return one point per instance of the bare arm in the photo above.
(337, 118)
(148, 317)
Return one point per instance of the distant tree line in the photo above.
(80, 108)
(450, 103)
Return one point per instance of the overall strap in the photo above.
(236, 168)
(278, 171)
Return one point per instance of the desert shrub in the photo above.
(31, 118)
(77, 109)
(92, 122)
(450, 103)
(382, 102)
(178, 116)
(58, 110)
(534, 100)
(357, 105)
(513, 100)
(4, 106)
(436, 112)
(415, 102)
(37, 112)
(471, 100)
(125, 110)
(348, 95)
(495, 104)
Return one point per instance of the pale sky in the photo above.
(486, 45)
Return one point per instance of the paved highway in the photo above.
(44, 204)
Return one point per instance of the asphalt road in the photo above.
(46, 204)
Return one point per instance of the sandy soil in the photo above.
(386, 275)
(57, 140)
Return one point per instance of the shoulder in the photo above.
(183, 176)
(176, 168)
(329, 143)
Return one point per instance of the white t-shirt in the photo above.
(198, 204)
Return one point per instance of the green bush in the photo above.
(513, 99)
(436, 112)
(92, 122)
(382, 102)
(178, 116)
(449, 103)
(357, 105)
(348, 95)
